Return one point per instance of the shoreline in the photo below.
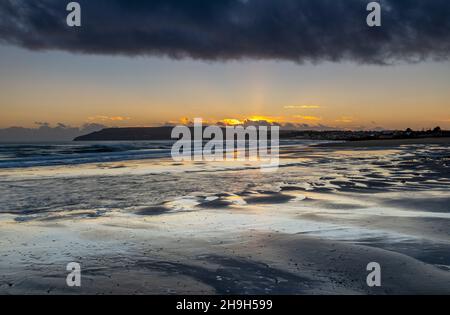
(384, 143)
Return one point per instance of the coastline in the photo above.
(385, 142)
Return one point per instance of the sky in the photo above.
(213, 61)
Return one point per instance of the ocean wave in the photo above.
(35, 155)
(24, 155)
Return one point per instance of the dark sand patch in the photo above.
(25, 218)
(272, 198)
(292, 188)
(154, 210)
(315, 187)
(335, 205)
(219, 203)
(232, 275)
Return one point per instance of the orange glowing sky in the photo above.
(56, 87)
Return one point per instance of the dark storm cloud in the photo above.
(297, 30)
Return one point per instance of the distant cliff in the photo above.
(128, 134)
(164, 133)
(134, 134)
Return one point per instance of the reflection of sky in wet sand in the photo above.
(340, 182)
(391, 199)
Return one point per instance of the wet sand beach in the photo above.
(159, 227)
(387, 142)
